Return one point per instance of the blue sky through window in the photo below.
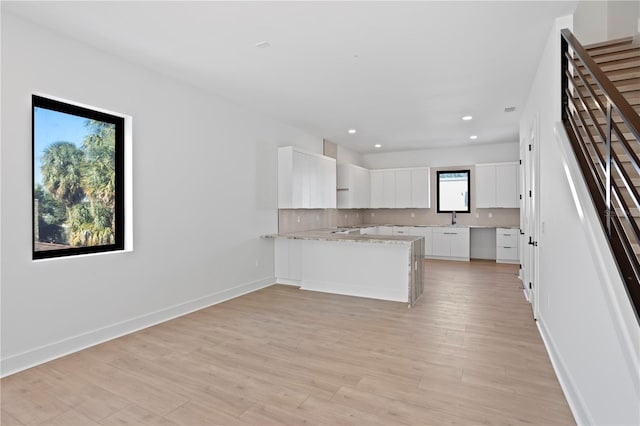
(53, 126)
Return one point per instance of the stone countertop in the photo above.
(436, 226)
(329, 235)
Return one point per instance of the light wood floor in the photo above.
(468, 353)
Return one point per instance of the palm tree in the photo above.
(99, 179)
(62, 165)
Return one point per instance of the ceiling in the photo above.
(401, 73)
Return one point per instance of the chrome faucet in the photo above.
(453, 217)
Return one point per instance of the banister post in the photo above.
(607, 204)
(564, 79)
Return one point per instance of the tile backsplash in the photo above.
(293, 220)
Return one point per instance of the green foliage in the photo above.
(51, 216)
(82, 181)
(62, 172)
(51, 210)
(99, 177)
(87, 226)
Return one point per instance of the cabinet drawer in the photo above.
(507, 237)
(401, 230)
(507, 253)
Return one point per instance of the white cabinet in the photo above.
(401, 230)
(385, 230)
(353, 187)
(485, 186)
(288, 261)
(421, 188)
(369, 230)
(400, 188)
(377, 189)
(305, 180)
(497, 185)
(426, 232)
(388, 189)
(507, 193)
(507, 245)
(450, 242)
(383, 189)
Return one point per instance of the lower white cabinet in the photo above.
(507, 245)
(385, 230)
(426, 232)
(450, 242)
(401, 230)
(369, 230)
(288, 261)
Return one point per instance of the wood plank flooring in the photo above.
(467, 353)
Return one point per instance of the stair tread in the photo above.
(624, 64)
(609, 43)
(613, 49)
(624, 87)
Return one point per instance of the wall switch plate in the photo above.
(298, 219)
(413, 214)
(372, 214)
(490, 214)
(317, 218)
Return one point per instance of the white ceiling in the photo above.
(401, 73)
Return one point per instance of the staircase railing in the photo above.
(604, 129)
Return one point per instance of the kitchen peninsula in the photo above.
(374, 266)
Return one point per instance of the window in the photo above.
(453, 191)
(78, 179)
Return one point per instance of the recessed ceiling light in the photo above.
(467, 117)
(377, 145)
(351, 131)
(263, 44)
(473, 137)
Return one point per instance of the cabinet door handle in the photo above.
(507, 247)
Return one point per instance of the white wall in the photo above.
(581, 329)
(444, 157)
(347, 156)
(597, 21)
(204, 185)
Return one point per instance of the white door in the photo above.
(530, 249)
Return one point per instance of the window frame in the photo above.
(441, 172)
(40, 101)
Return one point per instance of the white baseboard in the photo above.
(286, 281)
(576, 404)
(42, 354)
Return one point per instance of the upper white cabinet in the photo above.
(353, 187)
(400, 188)
(403, 189)
(421, 188)
(305, 180)
(497, 185)
(507, 194)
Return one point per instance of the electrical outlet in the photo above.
(317, 218)
(477, 215)
(257, 262)
(490, 215)
(372, 214)
(298, 219)
(413, 214)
